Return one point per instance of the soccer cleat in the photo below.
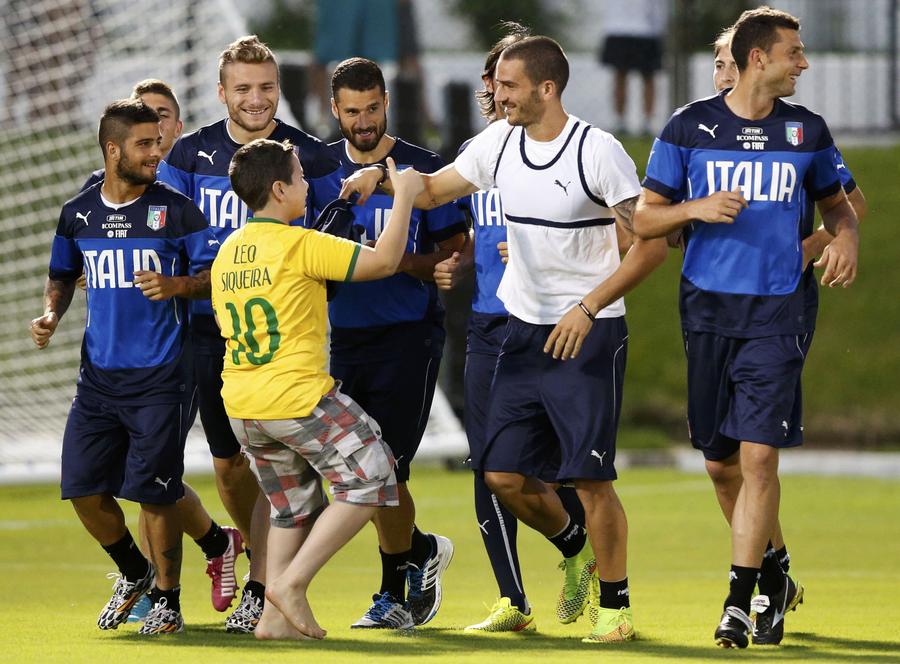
(385, 613)
(504, 617)
(768, 628)
(125, 595)
(575, 593)
(733, 629)
(424, 596)
(140, 609)
(594, 599)
(613, 626)
(162, 620)
(221, 570)
(245, 617)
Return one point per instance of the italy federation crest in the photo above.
(156, 217)
(793, 132)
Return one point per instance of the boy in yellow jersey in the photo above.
(290, 417)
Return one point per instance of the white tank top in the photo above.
(562, 235)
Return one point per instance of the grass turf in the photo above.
(843, 535)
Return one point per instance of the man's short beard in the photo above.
(380, 131)
(126, 174)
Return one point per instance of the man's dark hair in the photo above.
(543, 58)
(155, 86)
(119, 117)
(758, 28)
(485, 98)
(357, 74)
(256, 166)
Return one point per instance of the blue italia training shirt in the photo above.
(743, 279)
(489, 226)
(400, 297)
(132, 346)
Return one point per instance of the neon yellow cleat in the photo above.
(573, 598)
(613, 625)
(504, 617)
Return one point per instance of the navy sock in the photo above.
(742, 582)
(393, 573)
(422, 547)
(614, 594)
(771, 575)
(173, 597)
(498, 532)
(784, 558)
(570, 540)
(572, 503)
(214, 543)
(128, 558)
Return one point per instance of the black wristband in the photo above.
(384, 174)
(587, 312)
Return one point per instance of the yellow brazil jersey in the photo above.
(268, 292)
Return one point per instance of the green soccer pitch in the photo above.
(843, 536)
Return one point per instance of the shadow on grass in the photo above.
(802, 646)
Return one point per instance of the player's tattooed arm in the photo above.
(624, 212)
(57, 297)
(158, 287)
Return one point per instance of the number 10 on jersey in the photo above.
(245, 332)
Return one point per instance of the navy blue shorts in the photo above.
(132, 452)
(483, 342)
(541, 407)
(208, 374)
(744, 389)
(397, 393)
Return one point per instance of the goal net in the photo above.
(63, 61)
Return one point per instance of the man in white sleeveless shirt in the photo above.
(558, 383)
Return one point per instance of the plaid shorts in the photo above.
(337, 441)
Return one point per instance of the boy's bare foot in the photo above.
(294, 606)
(274, 626)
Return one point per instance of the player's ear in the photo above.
(548, 88)
(221, 91)
(755, 58)
(334, 109)
(179, 126)
(386, 100)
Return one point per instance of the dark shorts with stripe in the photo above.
(744, 390)
(543, 408)
(209, 359)
(396, 391)
(483, 342)
(132, 452)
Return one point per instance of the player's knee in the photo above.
(596, 494)
(503, 484)
(89, 504)
(723, 474)
(231, 471)
(759, 464)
